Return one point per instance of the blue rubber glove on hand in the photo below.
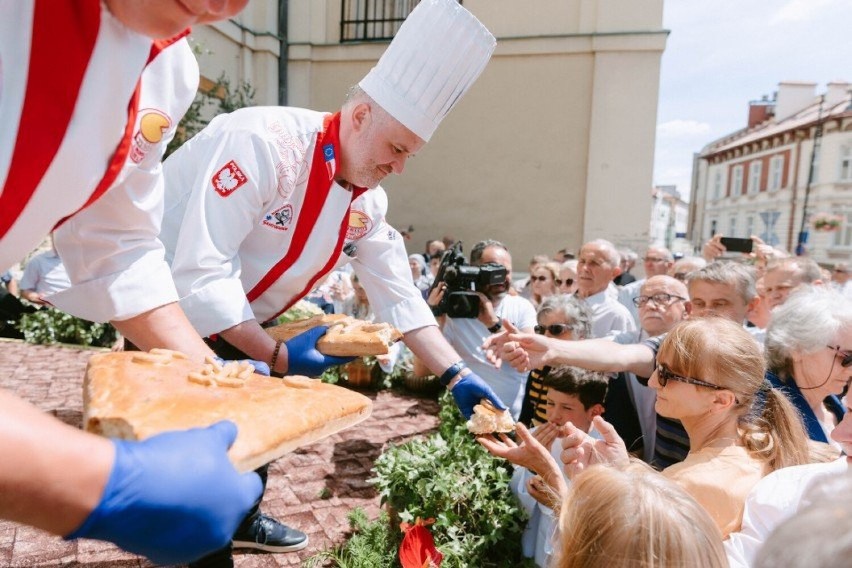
(470, 390)
(260, 367)
(173, 497)
(303, 358)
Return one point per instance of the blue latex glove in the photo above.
(470, 390)
(260, 367)
(173, 497)
(303, 358)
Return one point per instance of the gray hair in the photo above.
(739, 276)
(807, 270)
(575, 311)
(479, 248)
(806, 322)
(609, 250)
(664, 252)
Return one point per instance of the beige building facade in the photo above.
(790, 165)
(553, 145)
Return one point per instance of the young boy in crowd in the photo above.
(573, 395)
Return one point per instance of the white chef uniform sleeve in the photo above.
(114, 259)
(229, 174)
(381, 264)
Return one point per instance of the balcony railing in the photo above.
(369, 20)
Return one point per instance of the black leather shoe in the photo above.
(265, 533)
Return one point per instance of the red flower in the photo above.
(418, 547)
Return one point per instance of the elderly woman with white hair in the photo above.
(562, 317)
(809, 355)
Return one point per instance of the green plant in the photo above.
(49, 325)
(373, 544)
(451, 478)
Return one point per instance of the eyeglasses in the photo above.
(658, 299)
(554, 328)
(652, 259)
(846, 356)
(567, 282)
(664, 375)
(539, 278)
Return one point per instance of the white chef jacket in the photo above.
(236, 196)
(774, 499)
(111, 126)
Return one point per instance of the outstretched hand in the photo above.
(580, 450)
(529, 454)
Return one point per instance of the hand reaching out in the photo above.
(580, 450)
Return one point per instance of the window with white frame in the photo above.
(732, 227)
(737, 181)
(717, 185)
(749, 226)
(846, 163)
(776, 172)
(755, 169)
(843, 236)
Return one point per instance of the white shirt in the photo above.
(466, 336)
(45, 274)
(774, 499)
(235, 194)
(540, 535)
(110, 248)
(626, 294)
(609, 317)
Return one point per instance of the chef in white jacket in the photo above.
(265, 202)
(90, 94)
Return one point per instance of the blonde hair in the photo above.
(553, 268)
(719, 351)
(634, 517)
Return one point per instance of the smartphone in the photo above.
(733, 244)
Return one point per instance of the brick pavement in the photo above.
(313, 488)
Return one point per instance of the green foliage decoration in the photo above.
(48, 325)
(451, 478)
(373, 544)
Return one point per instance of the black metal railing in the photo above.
(366, 20)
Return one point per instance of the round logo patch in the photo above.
(359, 225)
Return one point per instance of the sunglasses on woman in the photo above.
(567, 282)
(554, 328)
(664, 375)
(539, 278)
(845, 356)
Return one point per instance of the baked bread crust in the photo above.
(346, 336)
(133, 396)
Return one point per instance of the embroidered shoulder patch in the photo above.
(359, 225)
(280, 219)
(228, 179)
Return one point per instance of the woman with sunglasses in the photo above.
(566, 282)
(562, 317)
(710, 376)
(543, 282)
(809, 355)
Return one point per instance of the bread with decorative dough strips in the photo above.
(346, 336)
(133, 396)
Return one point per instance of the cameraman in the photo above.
(466, 335)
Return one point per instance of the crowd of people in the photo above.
(726, 376)
(730, 385)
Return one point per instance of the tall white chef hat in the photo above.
(436, 56)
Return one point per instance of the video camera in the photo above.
(463, 280)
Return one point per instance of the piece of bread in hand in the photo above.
(486, 419)
(135, 395)
(346, 336)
